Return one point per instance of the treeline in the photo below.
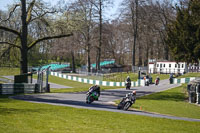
(142, 31)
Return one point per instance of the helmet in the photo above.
(128, 77)
(134, 92)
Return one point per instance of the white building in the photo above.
(167, 67)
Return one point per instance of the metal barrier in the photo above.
(16, 88)
(193, 88)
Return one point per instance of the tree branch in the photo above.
(10, 30)
(29, 11)
(47, 38)
(94, 4)
(40, 16)
(11, 44)
(10, 14)
(6, 51)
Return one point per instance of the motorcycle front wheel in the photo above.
(127, 105)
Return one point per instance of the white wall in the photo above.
(168, 67)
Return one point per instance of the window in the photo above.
(175, 65)
(178, 65)
(160, 65)
(163, 65)
(157, 65)
(182, 65)
(169, 65)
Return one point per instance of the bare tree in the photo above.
(28, 15)
(100, 5)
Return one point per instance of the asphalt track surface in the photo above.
(105, 103)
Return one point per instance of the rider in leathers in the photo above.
(95, 88)
(131, 96)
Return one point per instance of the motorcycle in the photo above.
(91, 97)
(125, 103)
(128, 85)
(147, 82)
(156, 81)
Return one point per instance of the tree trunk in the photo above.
(100, 35)
(166, 52)
(147, 55)
(140, 55)
(88, 59)
(73, 62)
(24, 34)
(88, 48)
(135, 26)
(166, 48)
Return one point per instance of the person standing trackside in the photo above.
(128, 83)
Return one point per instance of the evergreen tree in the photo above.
(184, 33)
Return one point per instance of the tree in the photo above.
(86, 22)
(28, 15)
(100, 6)
(184, 33)
(134, 13)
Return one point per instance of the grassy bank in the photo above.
(77, 86)
(5, 71)
(172, 102)
(25, 117)
(121, 77)
(190, 75)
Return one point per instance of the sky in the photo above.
(111, 13)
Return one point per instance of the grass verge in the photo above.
(172, 102)
(5, 71)
(25, 117)
(121, 77)
(190, 75)
(77, 86)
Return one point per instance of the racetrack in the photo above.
(78, 100)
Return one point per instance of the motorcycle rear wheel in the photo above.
(89, 99)
(119, 106)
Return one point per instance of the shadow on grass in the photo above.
(5, 98)
(72, 103)
(5, 110)
(170, 96)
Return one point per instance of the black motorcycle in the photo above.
(147, 82)
(125, 103)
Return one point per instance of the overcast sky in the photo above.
(110, 13)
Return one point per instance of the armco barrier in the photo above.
(16, 88)
(98, 82)
(183, 80)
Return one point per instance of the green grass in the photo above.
(172, 102)
(190, 75)
(25, 117)
(161, 76)
(121, 77)
(5, 71)
(77, 86)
